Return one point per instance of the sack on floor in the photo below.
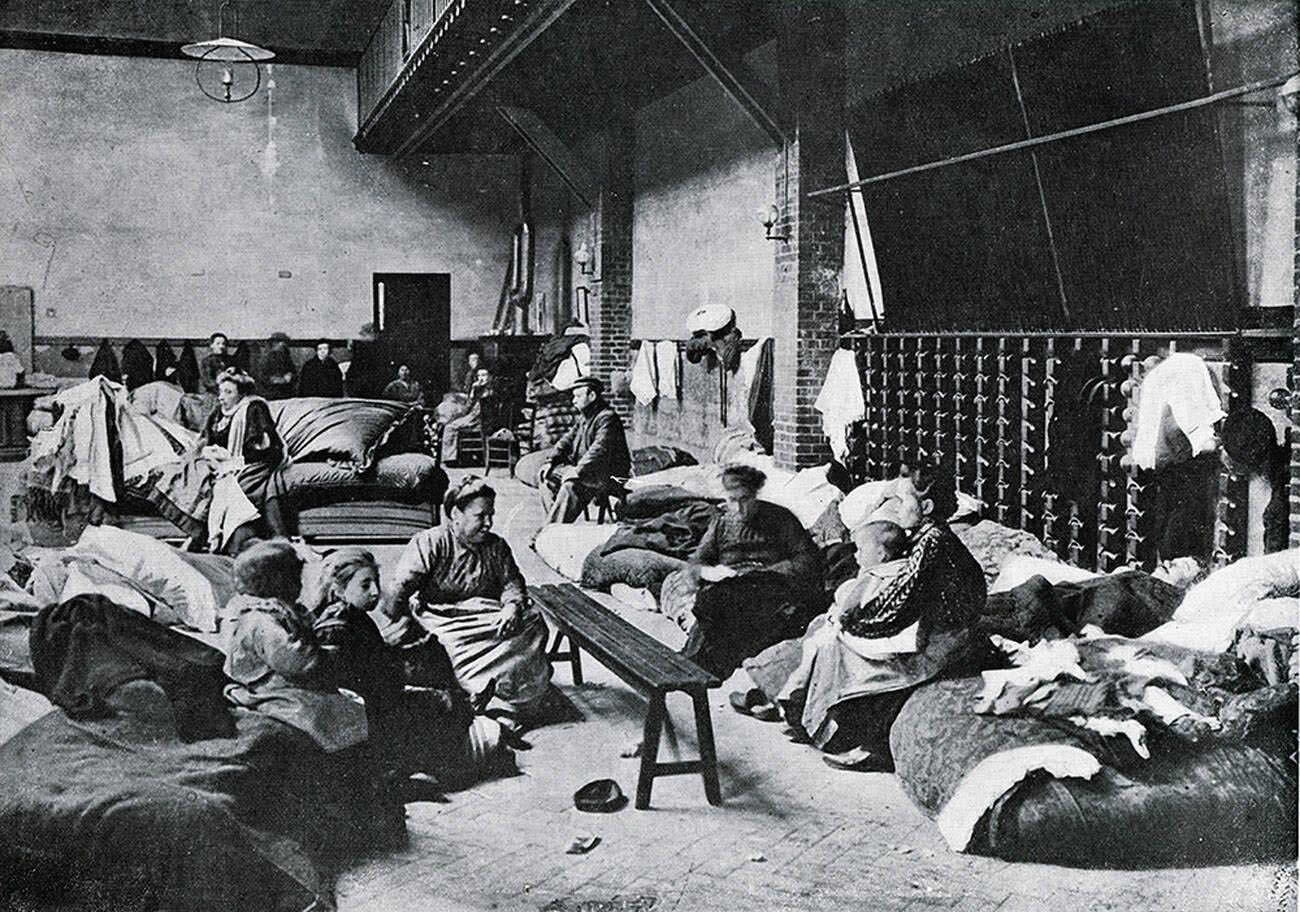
(1231, 802)
(1026, 789)
(638, 567)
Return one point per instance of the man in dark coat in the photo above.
(321, 375)
(589, 461)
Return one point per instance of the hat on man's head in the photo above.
(591, 383)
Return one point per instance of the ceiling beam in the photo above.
(538, 20)
(168, 50)
(552, 150)
(733, 76)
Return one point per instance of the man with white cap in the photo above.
(589, 460)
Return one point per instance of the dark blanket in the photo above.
(1214, 802)
(656, 500)
(675, 534)
(1125, 604)
(119, 813)
(85, 648)
(651, 459)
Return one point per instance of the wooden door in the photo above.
(413, 322)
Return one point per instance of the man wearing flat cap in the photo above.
(589, 460)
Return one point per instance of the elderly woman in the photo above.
(483, 387)
(888, 638)
(429, 727)
(463, 585)
(242, 425)
(756, 578)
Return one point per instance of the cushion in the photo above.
(646, 460)
(348, 430)
(157, 569)
(1213, 609)
(530, 465)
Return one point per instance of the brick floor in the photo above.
(829, 840)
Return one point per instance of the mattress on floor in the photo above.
(564, 546)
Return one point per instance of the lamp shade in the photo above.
(228, 50)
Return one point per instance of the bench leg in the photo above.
(574, 655)
(575, 658)
(708, 753)
(654, 720)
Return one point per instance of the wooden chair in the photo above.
(499, 449)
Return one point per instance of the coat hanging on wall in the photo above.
(137, 364)
(187, 369)
(105, 364)
(164, 362)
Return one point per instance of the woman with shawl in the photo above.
(892, 637)
(242, 424)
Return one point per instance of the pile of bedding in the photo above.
(102, 455)
(131, 783)
(1174, 745)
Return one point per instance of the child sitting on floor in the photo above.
(428, 727)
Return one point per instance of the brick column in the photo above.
(1295, 370)
(611, 294)
(806, 293)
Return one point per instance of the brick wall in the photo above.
(810, 69)
(1295, 370)
(611, 295)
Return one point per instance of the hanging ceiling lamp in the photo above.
(222, 72)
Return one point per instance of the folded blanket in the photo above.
(85, 648)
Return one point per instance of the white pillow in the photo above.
(156, 568)
(564, 546)
(88, 578)
(1018, 568)
(1215, 607)
(807, 494)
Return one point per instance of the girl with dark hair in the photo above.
(274, 658)
(428, 728)
(461, 582)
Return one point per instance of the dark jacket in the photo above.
(597, 445)
(321, 378)
(211, 368)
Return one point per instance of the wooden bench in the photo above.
(644, 663)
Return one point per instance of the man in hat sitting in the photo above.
(589, 460)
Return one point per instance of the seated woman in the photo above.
(755, 578)
(889, 635)
(464, 585)
(428, 728)
(403, 388)
(242, 424)
(483, 388)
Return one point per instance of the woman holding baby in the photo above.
(901, 621)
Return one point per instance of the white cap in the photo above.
(709, 318)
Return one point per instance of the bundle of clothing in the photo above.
(101, 449)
